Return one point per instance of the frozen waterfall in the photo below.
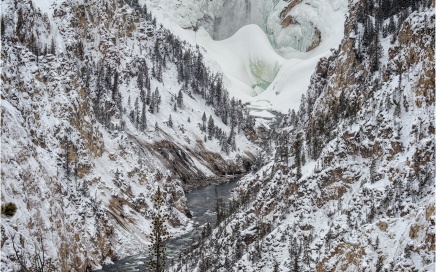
(229, 16)
(235, 14)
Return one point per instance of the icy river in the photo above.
(202, 202)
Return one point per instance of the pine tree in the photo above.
(180, 99)
(372, 171)
(170, 121)
(210, 127)
(116, 96)
(157, 99)
(152, 106)
(276, 266)
(379, 264)
(204, 118)
(180, 73)
(143, 118)
(231, 141)
(140, 83)
(376, 52)
(159, 72)
(136, 112)
(297, 150)
(159, 235)
(342, 102)
(52, 47)
(148, 98)
(2, 27)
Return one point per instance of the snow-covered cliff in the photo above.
(351, 184)
(100, 106)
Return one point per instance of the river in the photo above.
(202, 202)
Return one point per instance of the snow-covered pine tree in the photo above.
(170, 121)
(143, 117)
(210, 127)
(159, 235)
(180, 99)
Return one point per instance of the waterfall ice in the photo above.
(269, 65)
(235, 14)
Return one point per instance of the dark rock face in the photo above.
(184, 163)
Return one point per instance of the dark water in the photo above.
(202, 202)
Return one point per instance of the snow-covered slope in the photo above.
(100, 106)
(350, 186)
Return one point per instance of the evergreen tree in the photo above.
(157, 99)
(204, 118)
(379, 264)
(159, 72)
(276, 266)
(210, 127)
(116, 95)
(136, 113)
(391, 25)
(52, 47)
(143, 118)
(159, 235)
(180, 73)
(376, 52)
(180, 99)
(152, 106)
(2, 27)
(297, 150)
(148, 98)
(372, 171)
(140, 83)
(170, 121)
(231, 141)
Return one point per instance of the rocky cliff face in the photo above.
(351, 187)
(89, 131)
(100, 106)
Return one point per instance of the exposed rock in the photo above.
(289, 20)
(317, 40)
(288, 8)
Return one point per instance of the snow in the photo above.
(244, 66)
(339, 197)
(40, 118)
(263, 68)
(44, 5)
(286, 70)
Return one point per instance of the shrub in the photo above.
(9, 209)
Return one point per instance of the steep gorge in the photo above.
(101, 105)
(350, 186)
